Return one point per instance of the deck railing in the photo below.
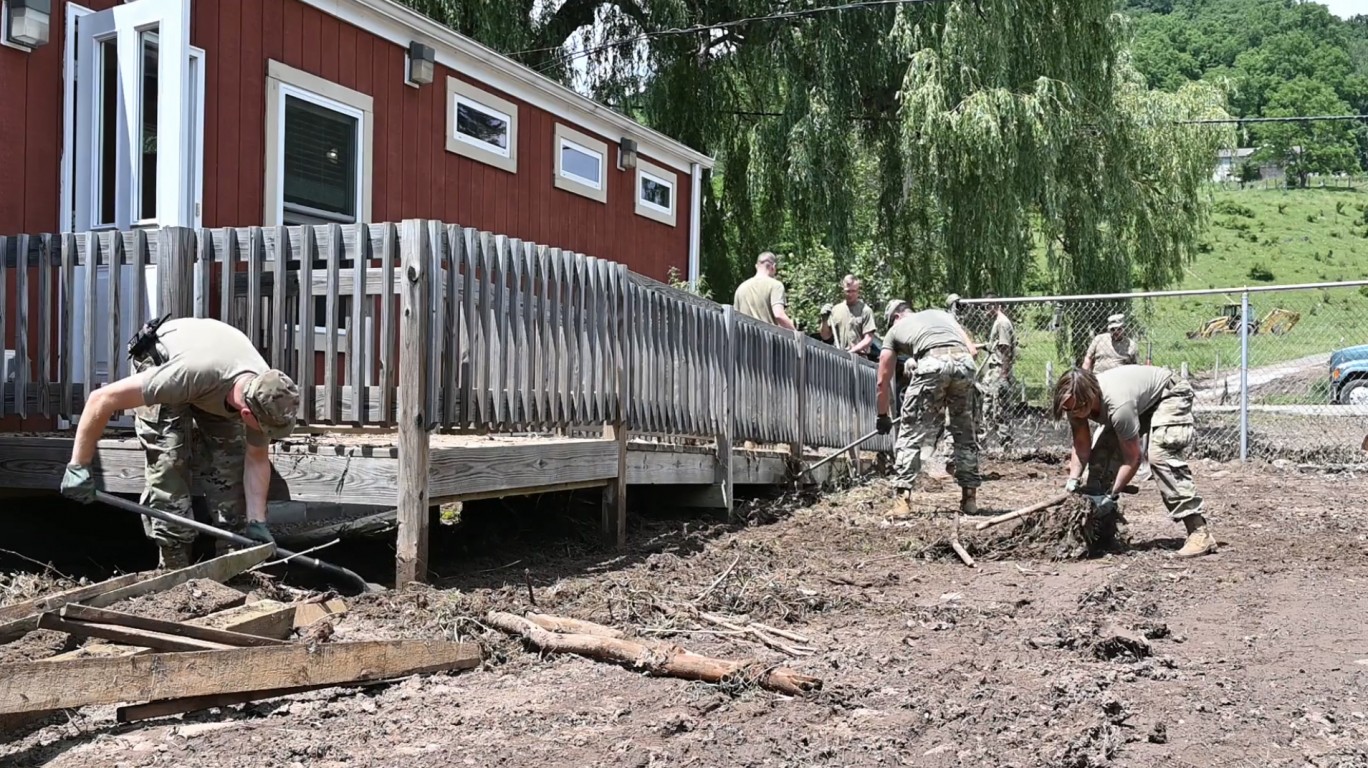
(509, 335)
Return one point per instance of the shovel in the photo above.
(336, 572)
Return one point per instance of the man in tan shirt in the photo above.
(1111, 349)
(762, 296)
(850, 324)
(999, 387)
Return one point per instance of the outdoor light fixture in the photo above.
(627, 154)
(421, 60)
(27, 22)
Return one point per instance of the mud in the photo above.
(1254, 656)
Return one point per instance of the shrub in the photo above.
(1261, 273)
(1231, 208)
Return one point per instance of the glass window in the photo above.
(319, 157)
(657, 192)
(482, 126)
(581, 164)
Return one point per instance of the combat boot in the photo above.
(1199, 539)
(173, 555)
(902, 505)
(968, 501)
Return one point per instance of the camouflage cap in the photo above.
(952, 300)
(894, 307)
(274, 400)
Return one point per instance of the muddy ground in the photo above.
(1255, 656)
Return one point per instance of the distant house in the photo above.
(1228, 162)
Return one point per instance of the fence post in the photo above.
(1244, 376)
(800, 400)
(728, 426)
(615, 493)
(175, 271)
(415, 299)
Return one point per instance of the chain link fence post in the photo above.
(1244, 376)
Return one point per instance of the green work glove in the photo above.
(78, 484)
(258, 531)
(1071, 484)
(883, 424)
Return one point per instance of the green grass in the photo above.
(1256, 237)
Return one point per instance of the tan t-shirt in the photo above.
(1003, 334)
(1107, 353)
(1128, 391)
(757, 296)
(849, 323)
(203, 358)
(923, 331)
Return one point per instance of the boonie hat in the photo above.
(274, 401)
(894, 307)
(1116, 321)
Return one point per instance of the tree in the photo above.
(1309, 147)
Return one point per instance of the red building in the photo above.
(256, 112)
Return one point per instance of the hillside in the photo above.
(1256, 237)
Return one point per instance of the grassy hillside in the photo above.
(1256, 238)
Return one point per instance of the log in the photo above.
(572, 626)
(139, 638)
(84, 613)
(39, 685)
(660, 660)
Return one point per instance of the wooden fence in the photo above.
(514, 336)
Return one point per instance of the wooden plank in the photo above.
(256, 262)
(267, 619)
(155, 709)
(471, 352)
(226, 259)
(452, 328)
(800, 396)
(219, 569)
(355, 412)
(21, 328)
(488, 377)
(19, 618)
(139, 260)
(333, 254)
(412, 547)
(669, 468)
(204, 273)
(115, 346)
(67, 366)
(499, 331)
(85, 613)
(46, 305)
(308, 251)
(434, 334)
(555, 341)
(539, 329)
(501, 466)
(89, 340)
(308, 613)
(389, 253)
(279, 318)
(138, 638)
(6, 244)
(517, 336)
(527, 348)
(88, 682)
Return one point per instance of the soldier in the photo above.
(999, 387)
(762, 297)
(1130, 401)
(943, 381)
(206, 405)
(1111, 349)
(850, 324)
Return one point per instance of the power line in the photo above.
(1294, 119)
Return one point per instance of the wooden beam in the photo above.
(651, 467)
(414, 449)
(498, 466)
(175, 628)
(723, 474)
(21, 618)
(219, 569)
(615, 493)
(137, 712)
(138, 638)
(264, 618)
(40, 685)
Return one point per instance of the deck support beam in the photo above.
(411, 553)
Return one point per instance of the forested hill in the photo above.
(1275, 52)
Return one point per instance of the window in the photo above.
(318, 159)
(655, 192)
(581, 164)
(481, 126)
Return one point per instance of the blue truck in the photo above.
(1349, 375)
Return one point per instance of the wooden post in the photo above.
(615, 493)
(800, 400)
(728, 425)
(175, 271)
(414, 300)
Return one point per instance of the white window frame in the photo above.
(649, 209)
(588, 145)
(460, 92)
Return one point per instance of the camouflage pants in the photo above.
(180, 445)
(943, 382)
(1169, 426)
(999, 396)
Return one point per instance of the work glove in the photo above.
(78, 484)
(257, 531)
(826, 310)
(1072, 484)
(884, 424)
(1104, 504)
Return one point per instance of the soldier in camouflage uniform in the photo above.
(999, 388)
(943, 381)
(207, 405)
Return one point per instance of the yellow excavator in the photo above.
(1277, 322)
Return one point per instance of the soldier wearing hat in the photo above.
(1111, 349)
(942, 362)
(206, 405)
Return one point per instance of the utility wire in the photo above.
(1294, 119)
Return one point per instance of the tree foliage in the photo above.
(930, 146)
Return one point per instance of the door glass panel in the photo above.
(109, 128)
(146, 199)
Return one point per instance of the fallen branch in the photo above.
(572, 626)
(661, 660)
(718, 580)
(1024, 511)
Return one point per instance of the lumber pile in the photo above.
(156, 667)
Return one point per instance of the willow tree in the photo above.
(942, 144)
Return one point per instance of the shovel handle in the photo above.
(1024, 511)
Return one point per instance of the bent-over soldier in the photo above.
(206, 405)
(1129, 402)
(943, 380)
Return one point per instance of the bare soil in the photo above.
(1254, 656)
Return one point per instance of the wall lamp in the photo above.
(421, 59)
(27, 23)
(627, 154)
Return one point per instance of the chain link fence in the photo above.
(1280, 373)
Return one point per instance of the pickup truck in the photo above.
(1349, 375)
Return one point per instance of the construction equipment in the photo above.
(1278, 321)
(337, 572)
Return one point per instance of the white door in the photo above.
(135, 113)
